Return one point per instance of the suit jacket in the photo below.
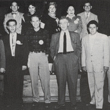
(84, 22)
(75, 41)
(75, 24)
(98, 57)
(19, 18)
(2, 54)
(20, 52)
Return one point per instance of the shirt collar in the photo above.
(70, 16)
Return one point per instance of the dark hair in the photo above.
(13, 2)
(11, 20)
(32, 3)
(87, 1)
(52, 3)
(92, 22)
(35, 16)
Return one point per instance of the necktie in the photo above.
(13, 46)
(64, 43)
(87, 16)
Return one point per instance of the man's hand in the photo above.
(84, 68)
(2, 70)
(105, 69)
(24, 67)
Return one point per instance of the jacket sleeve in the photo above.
(83, 54)
(25, 50)
(2, 55)
(79, 25)
(52, 46)
(106, 51)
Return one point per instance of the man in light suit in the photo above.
(86, 16)
(16, 60)
(95, 60)
(108, 75)
(65, 50)
(15, 14)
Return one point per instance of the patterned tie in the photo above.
(64, 43)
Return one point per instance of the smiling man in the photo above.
(38, 43)
(65, 51)
(95, 60)
(16, 61)
(86, 17)
(16, 15)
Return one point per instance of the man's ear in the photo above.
(18, 7)
(97, 28)
(10, 7)
(91, 7)
(68, 23)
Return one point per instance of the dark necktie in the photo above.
(64, 43)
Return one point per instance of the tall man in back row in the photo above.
(65, 50)
(86, 17)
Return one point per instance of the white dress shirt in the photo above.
(69, 47)
(13, 37)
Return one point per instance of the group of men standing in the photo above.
(31, 50)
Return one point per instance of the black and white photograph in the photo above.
(54, 54)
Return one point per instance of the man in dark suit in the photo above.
(16, 60)
(2, 64)
(2, 57)
(65, 50)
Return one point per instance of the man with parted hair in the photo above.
(87, 16)
(16, 61)
(15, 14)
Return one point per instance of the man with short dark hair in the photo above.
(38, 43)
(16, 61)
(15, 14)
(95, 60)
(86, 16)
(65, 51)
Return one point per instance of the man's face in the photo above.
(31, 9)
(52, 9)
(92, 29)
(87, 7)
(14, 7)
(12, 26)
(35, 22)
(70, 10)
(64, 24)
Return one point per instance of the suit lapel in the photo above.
(72, 40)
(16, 48)
(8, 46)
(57, 42)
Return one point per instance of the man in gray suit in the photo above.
(65, 50)
(86, 17)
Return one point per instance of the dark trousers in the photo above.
(13, 83)
(66, 69)
(84, 88)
